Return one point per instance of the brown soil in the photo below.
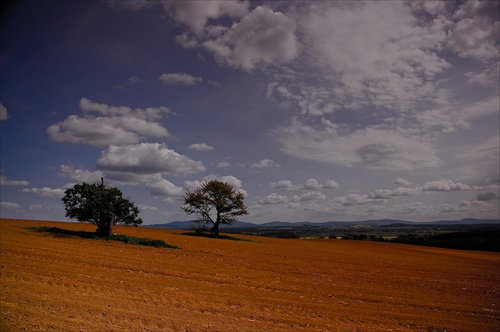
(74, 284)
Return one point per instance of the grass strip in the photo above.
(220, 237)
(113, 237)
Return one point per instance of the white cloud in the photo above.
(130, 178)
(9, 205)
(180, 79)
(369, 147)
(353, 199)
(479, 160)
(265, 163)
(475, 31)
(262, 37)
(80, 175)
(147, 208)
(149, 113)
(147, 158)
(192, 185)
(223, 164)
(4, 115)
(464, 209)
(45, 191)
(118, 125)
(402, 182)
(310, 185)
(195, 14)
(392, 193)
(202, 147)
(487, 77)
(487, 106)
(363, 53)
(282, 184)
(308, 196)
(273, 199)
(331, 184)
(444, 185)
(164, 187)
(7, 182)
(232, 180)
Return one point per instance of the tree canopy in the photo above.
(215, 202)
(100, 205)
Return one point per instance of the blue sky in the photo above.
(316, 111)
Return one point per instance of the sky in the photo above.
(315, 110)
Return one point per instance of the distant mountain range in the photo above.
(283, 224)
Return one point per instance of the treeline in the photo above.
(483, 240)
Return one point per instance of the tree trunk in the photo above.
(110, 226)
(105, 228)
(215, 230)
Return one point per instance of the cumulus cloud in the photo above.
(147, 158)
(45, 191)
(202, 147)
(130, 178)
(392, 193)
(331, 184)
(363, 53)
(4, 181)
(308, 196)
(273, 199)
(164, 187)
(195, 14)
(147, 208)
(486, 77)
(480, 160)
(4, 115)
(223, 164)
(444, 185)
(310, 185)
(475, 30)
(262, 37)
(353, 199)
(255, 38)
(149, 113)
(370, 147)
(79, 175)
(402, 182)
(9, 205)
(180, 79)
(282, 184)
(464, 209)
(115, 125)
(265, 163)
(232, 180)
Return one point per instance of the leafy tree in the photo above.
(215, 202)
(100, 205)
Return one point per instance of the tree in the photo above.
(215, 202)
(100, 205)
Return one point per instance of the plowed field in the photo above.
(72, 284)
